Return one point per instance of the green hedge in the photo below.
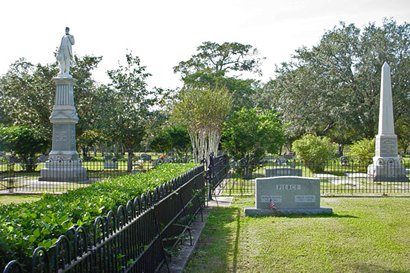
(25, 226)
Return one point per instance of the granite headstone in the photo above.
(289, 194)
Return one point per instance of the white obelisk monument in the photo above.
(386, 162)
(64, 164)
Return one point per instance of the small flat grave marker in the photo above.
(283, 172)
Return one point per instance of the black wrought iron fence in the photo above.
(218, 170)
(135, 238)
(18, 178)
(337, 177)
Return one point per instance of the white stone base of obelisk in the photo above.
(386, 164)
(64, 164)
(390, 172)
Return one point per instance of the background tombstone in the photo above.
(110, 161)
(281, 160)
(283, 172)
(386, 162)
(145, 157)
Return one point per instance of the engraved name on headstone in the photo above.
(290, 195)
(286, 188)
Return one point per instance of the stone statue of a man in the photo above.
(65, 52)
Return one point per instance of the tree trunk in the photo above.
(129, 161)
(84, 152)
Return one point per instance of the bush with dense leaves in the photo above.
(362, 151)
(25, 226)
(251, 133)
(172, 139)
(23, 141)
(314, 151)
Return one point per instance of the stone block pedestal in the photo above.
(386, 163)
(64, 163)
(64, 171)
(388, 172)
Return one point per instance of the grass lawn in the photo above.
(363, 235)
(17, 199)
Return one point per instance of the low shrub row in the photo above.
(23, 227)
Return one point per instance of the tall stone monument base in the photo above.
(64, 164)
(390, 171)
(386, 163)
(64, 171)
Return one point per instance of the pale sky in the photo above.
(164, 32)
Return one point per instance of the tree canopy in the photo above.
(27, 94)
(116, 113)
(24, 142)
(130, 102)
(203, 112)
(251, 133)
(217, 66)
(333, 88)
(221, 58)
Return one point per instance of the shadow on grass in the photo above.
(218, 246)
(236, 247)
(334, 215)
(372, 268)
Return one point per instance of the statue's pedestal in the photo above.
(64, 171)
(64, 163)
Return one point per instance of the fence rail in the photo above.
(337, 177)
(18, 178)
(135, 238)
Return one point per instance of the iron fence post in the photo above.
(210, 174)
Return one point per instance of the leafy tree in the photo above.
(85, 95)
(180, 141)
(90, 138)
(315, 151)
(362, 151)
(402, 128)
(130, 102)
(203, 112)
(218, 66)
(251, 133)
(333, 88)
(27, 94)
(159, 115)
(161, 142)
(172, 139)
(25, 142)
(221, 58)
(244, 91)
